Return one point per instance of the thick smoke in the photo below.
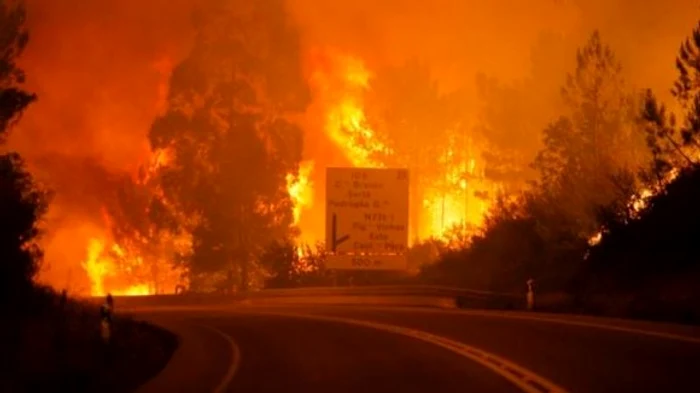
(462, 37)
(101, 70)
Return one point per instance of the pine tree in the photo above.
(594, 145)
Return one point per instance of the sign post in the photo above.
(367, 218)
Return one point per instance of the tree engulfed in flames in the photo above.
(639, 202)
(341, 86)
(300, 189)
(101, 266)
(137, 265)
(451, 203)
(446, 200)
(126, 271)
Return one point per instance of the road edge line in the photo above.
(235, 359)
(623, 329)
(555, 319)
(521, 377)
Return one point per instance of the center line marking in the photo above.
(521, 377)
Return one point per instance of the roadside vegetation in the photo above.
(51, 343)
(610, 226)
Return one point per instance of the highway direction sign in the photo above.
(367, 218)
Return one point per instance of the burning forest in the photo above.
(181, 139)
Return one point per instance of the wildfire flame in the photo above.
(340, 82)
(639, 202)
(100, 268)
(341, 85)
(300, 189)
(126, 269)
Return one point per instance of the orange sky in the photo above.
(101, 68)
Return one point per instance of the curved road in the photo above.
(363, 349)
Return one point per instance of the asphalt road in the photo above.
(364, 349)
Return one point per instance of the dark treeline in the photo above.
(611, 222)
(609, 225)
(22, 203)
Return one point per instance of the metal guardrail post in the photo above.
(530, 295)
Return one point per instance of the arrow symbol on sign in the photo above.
(335, 240)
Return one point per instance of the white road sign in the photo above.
(367, 218)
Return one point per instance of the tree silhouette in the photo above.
(15, 36)
(594, 144)
(591, 153)
(653, 258)
(229, 130)
(21, 203)
(676, 144)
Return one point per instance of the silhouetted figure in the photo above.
(106, 311)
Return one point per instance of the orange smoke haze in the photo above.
(459, 38)
(101, 72)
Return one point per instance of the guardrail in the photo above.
(414, 290)
(386, 294)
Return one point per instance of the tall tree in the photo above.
(229, 130)
(153, 239)
(589, 148)
(654, 258)
(13, 39)
(676, 144)
(21, 203)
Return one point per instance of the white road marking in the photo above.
(483, 313)
(521, 377)
(559, 320)
(235, 360)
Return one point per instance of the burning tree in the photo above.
(427, 132)
(653, 257)
(228, 128)
(151, 240)
(590, 157)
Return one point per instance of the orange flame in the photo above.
(138, 266)
(100, 268)
(300, 189)
(443, 202)
(341, 87)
